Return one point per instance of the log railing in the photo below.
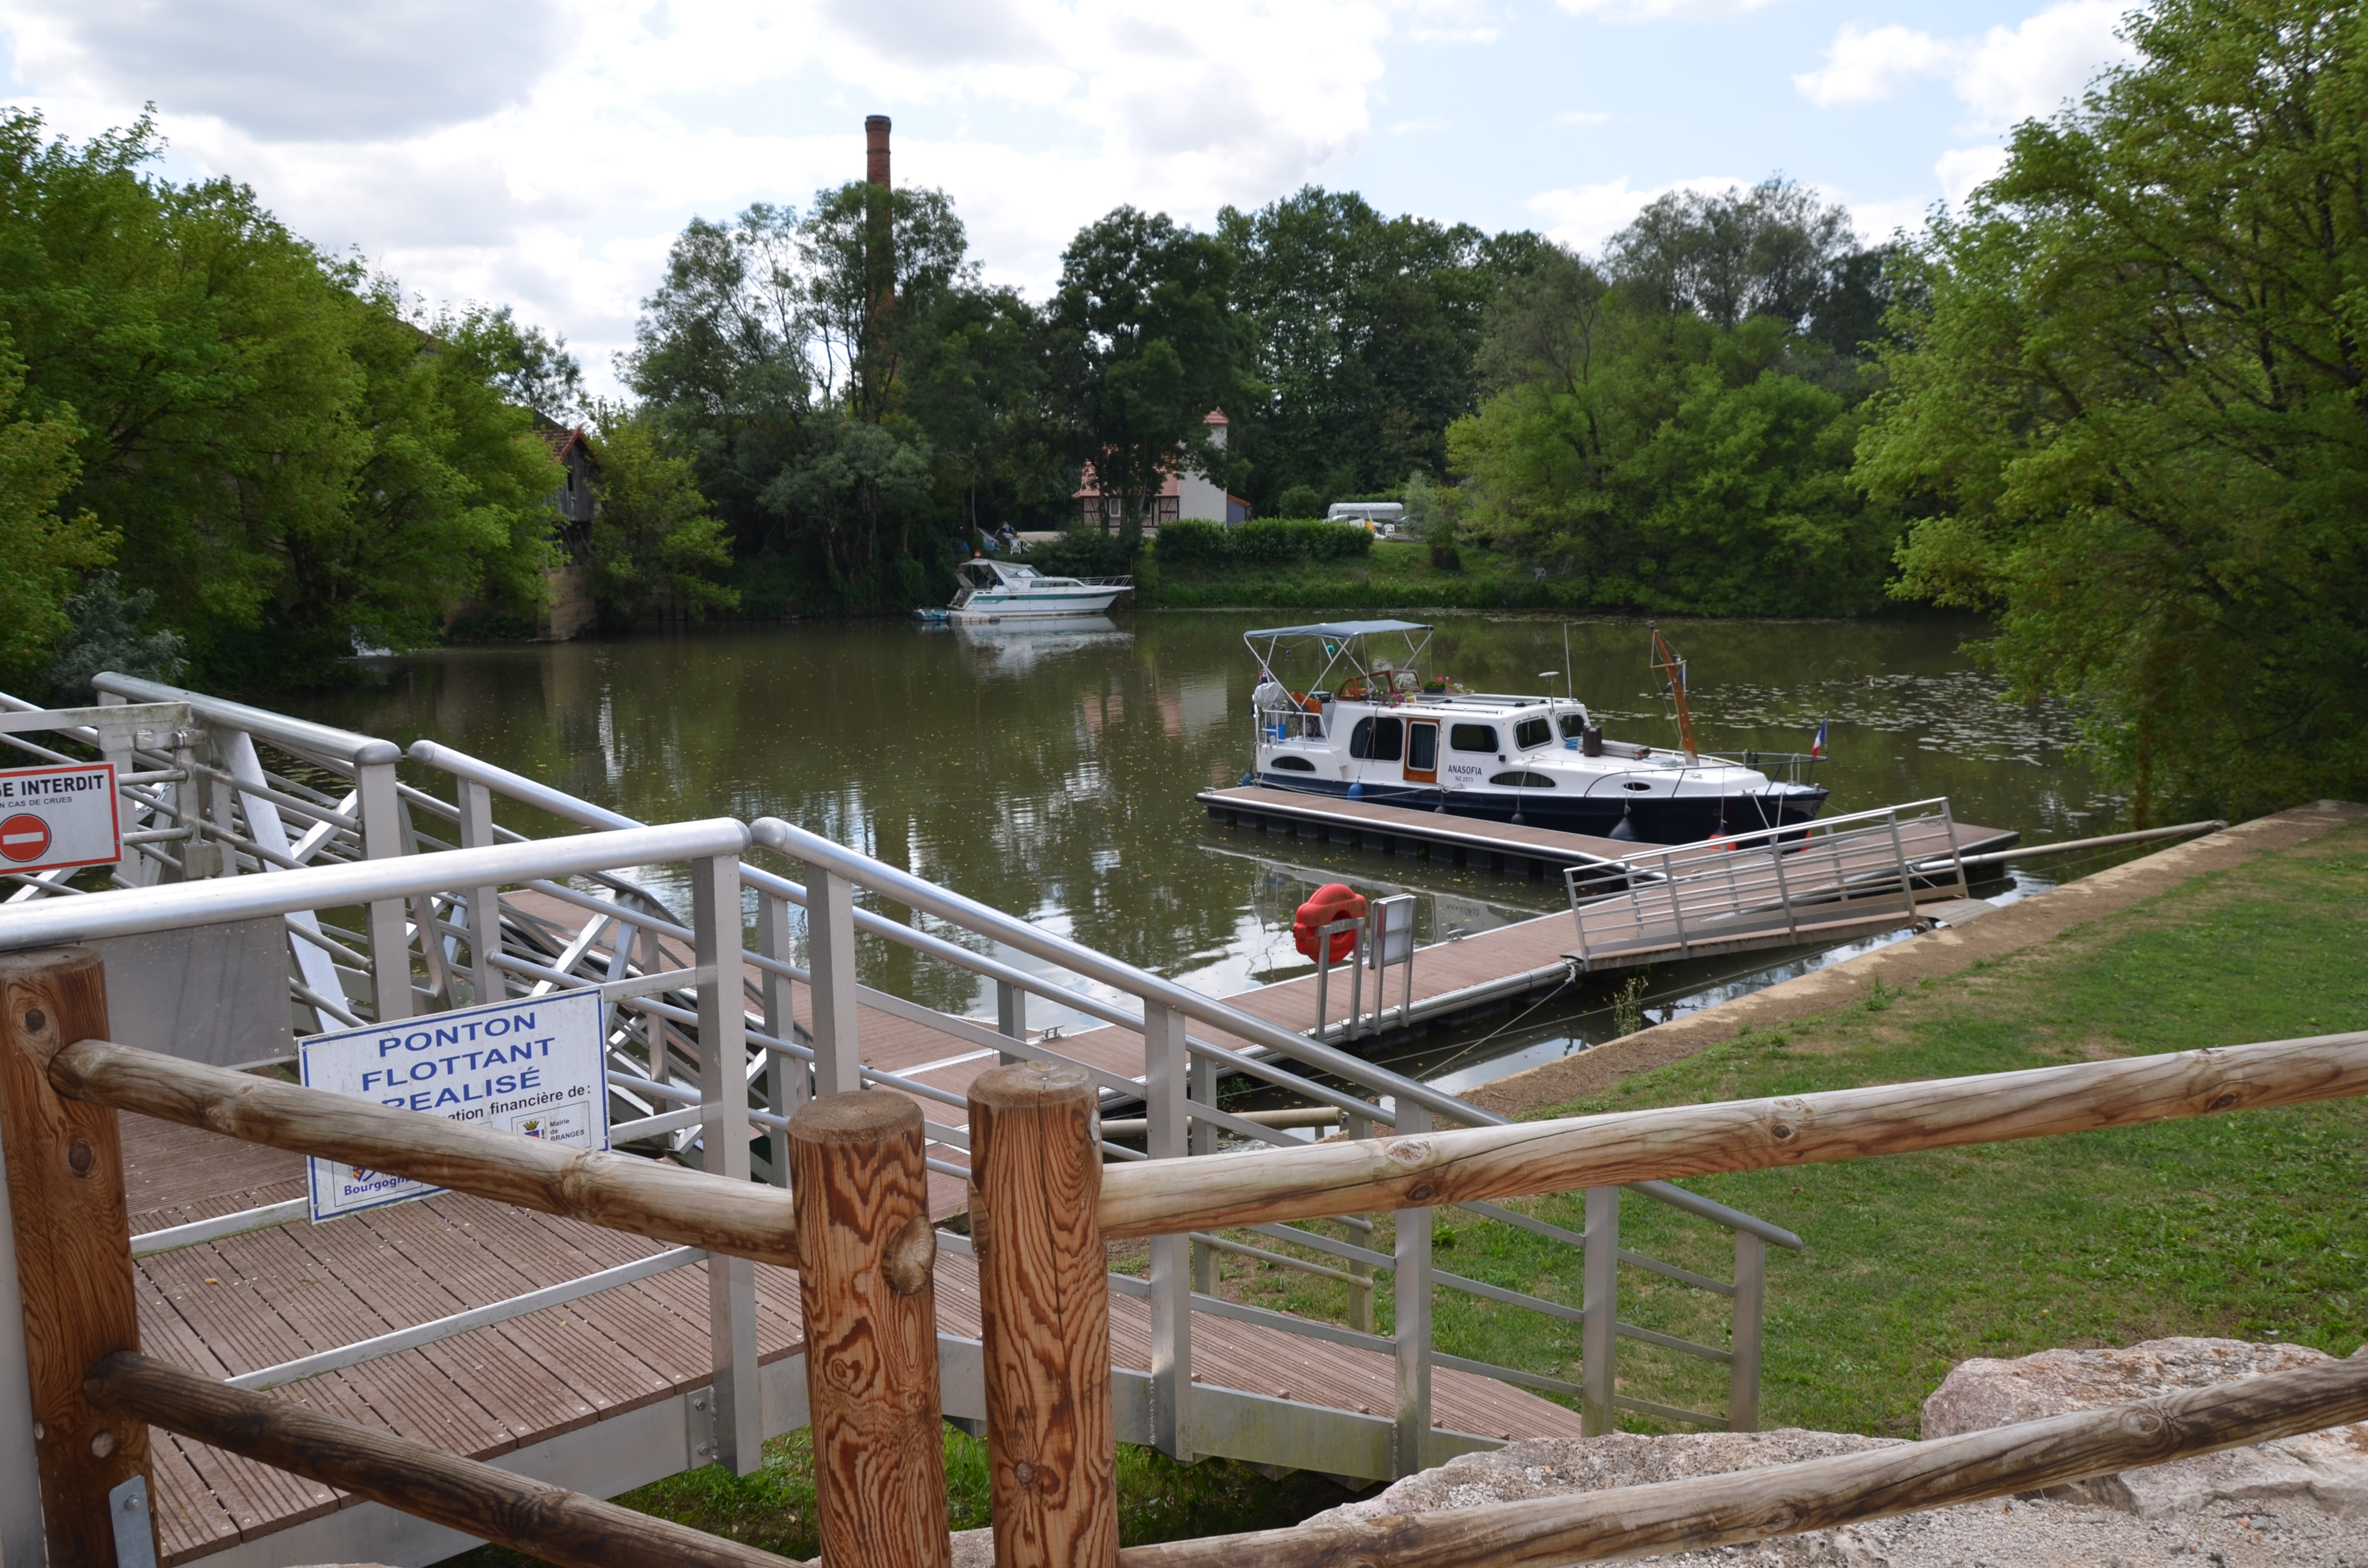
(1043, 1204)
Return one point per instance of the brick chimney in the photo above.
(875, 149)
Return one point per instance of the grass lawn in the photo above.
(2250, 1226)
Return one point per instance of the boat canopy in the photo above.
(1342, 628)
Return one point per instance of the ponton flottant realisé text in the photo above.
(1387, 733)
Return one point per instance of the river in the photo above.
(1051, 771)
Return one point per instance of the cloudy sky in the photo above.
(542, 153)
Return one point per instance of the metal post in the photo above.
(1956, 850)
(1010, 1017)
(1899, 853)
(1783, 893)
(1357, 976)
(423, 921)
(785, 1075)
(1743, 1341)
(1361, 1297)
(476, 804)
(1165, 1072)
(1677, 904)
(1322, 978)
(723, 1133)
(1411, 1287)
(830, 959)
(1203, 1077)
(1598, 1331)
(379, 808)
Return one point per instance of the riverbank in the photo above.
(2245, 1225)
(1394, 576)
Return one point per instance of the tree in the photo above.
(1367, 329)
(2127, 411)
(657, 548)
(1144, 344)
(43, 552)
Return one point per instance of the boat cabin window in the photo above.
(1574, 726)
(1472, 737)
(1531, 734)
(1294, 764)
(1519, 781)
(1381, 740)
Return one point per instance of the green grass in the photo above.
(2247, 1225)
(774, 1508)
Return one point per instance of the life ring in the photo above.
(1331, 901)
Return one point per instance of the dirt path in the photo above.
(2034, 920)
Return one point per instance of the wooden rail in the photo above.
(1346, 1177)
(620, 1191)
(1753, 1505)
(533, 1516)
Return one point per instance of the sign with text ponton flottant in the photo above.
(532, 1067)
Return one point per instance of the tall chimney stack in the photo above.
(875, 149)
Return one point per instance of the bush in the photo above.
(1446, 558)
(1193, 542)
(1080, 553)
(1299, 501)
(1263, 542)
(1334, 541)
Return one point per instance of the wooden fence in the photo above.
(855, 1224)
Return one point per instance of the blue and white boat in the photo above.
(1374, 726)
(1000, 590)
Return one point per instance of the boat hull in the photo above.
(984, 610)
(1684, 819)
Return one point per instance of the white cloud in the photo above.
(1658, 10)
(1582, 217)
(2015, 73)
(1583, 117)
(1962, 168)
(2005, 75)
(1867, 67)
(1405, 126)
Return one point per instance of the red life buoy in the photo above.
(1331, 901)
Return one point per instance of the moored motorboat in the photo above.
(1374, 726)
(1004, 590)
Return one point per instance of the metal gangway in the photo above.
(716, 1036)
(1815, 882)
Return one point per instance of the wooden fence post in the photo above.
(865, 1250)
(1044, 1302)
(73, 1248)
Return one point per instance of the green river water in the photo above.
(1051, 771)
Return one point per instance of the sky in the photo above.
(544, 154)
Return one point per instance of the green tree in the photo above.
(1144, 344)
(657, 548)
(43, 551)
(1367, 329)
(2128, 408)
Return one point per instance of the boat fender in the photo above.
(1333, 901)
(1625, 831)
(1248, 779)
(1357, 791)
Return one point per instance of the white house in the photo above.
(1181, 496)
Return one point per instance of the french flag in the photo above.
(1817, 746)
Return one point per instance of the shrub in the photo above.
(1191, 542)
(1299, 501)
(1334, 541)
(1446, 558)
(1078, 553)
(1263, 542)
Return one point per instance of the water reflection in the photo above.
(1049, 770)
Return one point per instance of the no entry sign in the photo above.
(52, 819)
(532, 1067)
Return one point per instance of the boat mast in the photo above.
(1666, 660)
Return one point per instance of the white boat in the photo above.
(1001, 590)
(1374, 727)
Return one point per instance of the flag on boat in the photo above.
(1817, 746)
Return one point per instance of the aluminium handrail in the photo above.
(301, 734)
(772, 833)
(121, 912)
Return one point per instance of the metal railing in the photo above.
(1801, 880)
(429, 946)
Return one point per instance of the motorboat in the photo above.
(1375, 725)
(1004, 590)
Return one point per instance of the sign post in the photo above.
(532, 1066)
(55, 819)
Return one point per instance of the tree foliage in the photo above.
(2130, 407)
(43, 551)
(1366, 331)
(657, 551)
(1668, 428)
(290, 457)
